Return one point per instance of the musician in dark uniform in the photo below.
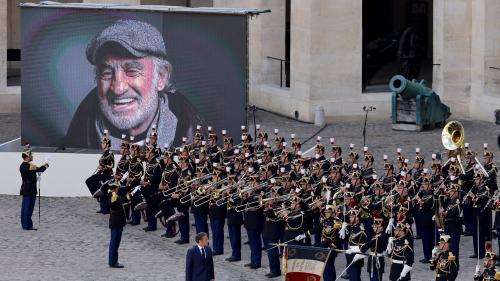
(329, 231)
(234, 220)
(477, 199)
(489, 272)
(356, 237)
(103, 174)
(443, 262)
(150, 185)
(450, 212)
(402, 255)
(117, 220)
(253, 222)
(217, 214)
(29, 172)
(377, 246)
(272, 233)
(424, 209)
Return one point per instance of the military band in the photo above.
(280, 195)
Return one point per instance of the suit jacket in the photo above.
(197, 267)
(28, 186)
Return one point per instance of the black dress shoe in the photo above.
(248, 265)
(474, 256)
(232, 259)
(424, 260)
(272, 275)
(31, 228)
(181, 242)
(147, 229)
(217, 253)
(246, 243)
(117, 265)
(100, 211)
(255, 266)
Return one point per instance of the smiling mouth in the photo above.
(122, 104)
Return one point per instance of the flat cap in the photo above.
(139, 38)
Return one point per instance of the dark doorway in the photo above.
(397, 39)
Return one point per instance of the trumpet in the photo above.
(172, 190)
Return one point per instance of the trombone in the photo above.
(202, 190)
(258, 203)
(172, 190)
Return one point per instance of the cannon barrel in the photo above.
(408, 89)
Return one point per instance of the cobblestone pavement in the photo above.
(72, 241)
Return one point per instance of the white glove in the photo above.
(478, 267)
(352, 250)
(357, 257)
(47, 160)
(404, 272)
(342, 231)
(300, 237)
(137, 188)
(389, 245)
(389, 227)
(434, 251)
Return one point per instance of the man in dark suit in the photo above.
(28, 188)
(199, 262)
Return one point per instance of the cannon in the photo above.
(415, 107)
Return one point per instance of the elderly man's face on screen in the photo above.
(128, 89)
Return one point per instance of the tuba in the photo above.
(453, 137)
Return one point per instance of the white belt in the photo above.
(398, 261)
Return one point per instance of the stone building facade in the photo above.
(326, 55)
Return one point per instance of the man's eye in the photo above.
(132, 72)
(106, 74)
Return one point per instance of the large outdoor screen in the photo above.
(88, 71)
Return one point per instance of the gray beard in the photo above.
(145, 110)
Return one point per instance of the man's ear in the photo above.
(163, 78)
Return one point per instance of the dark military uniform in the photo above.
(28, 191)
(376, 262)
(117, 220)
(445, 266)
(272, 233)
(402, 255)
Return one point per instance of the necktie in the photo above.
(203, 253)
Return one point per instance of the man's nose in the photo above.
(119, 83)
